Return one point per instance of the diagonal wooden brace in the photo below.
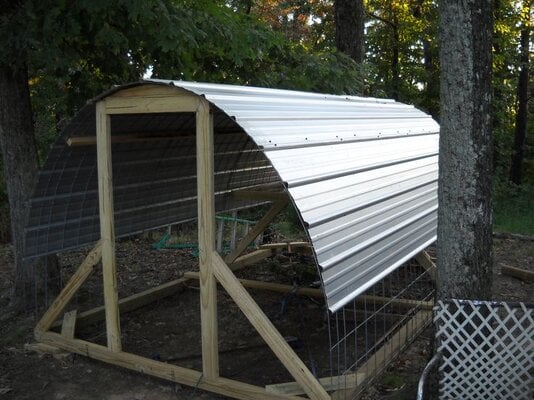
(72, 286)
(258, 228)
(267, 331)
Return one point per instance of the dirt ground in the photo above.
(161, 330)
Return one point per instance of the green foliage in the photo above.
(513, 209)
(410, 28)
(240, 49)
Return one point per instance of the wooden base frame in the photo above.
(213, 269)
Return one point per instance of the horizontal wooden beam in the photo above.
(151, 104)
(329, 383)
(79, 141)
(173, 373)
(269, 286)
(318, 293)
(259, 195)
(292, 245)
(132, 302)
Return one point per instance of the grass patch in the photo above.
(514, 210)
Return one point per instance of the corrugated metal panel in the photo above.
(361, 172)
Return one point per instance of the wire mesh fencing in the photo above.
(368, 333)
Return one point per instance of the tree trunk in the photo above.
(349, 22)
(465, 209)
(516, 168)
(19, 153)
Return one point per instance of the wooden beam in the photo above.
(250, 258)
(143, 104)
(404, 303)
(376, 363)
(426, 262)
(267, 331)
(132, 302)
(523, 274)
(292, 245)
(75, 282)
(260, 195)
(270, 286)
(329, 383)
(68, 328)
(173, 373)
(206, 240)
(318, 293)
(107, 228)
(79, 141)
(258, 228)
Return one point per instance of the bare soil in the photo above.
(168, 330)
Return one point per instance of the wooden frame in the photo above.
(213, 269)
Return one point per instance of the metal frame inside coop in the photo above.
(361, 173)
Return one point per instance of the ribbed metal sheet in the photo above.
(362, 174)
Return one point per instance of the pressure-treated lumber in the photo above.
(426, 262)
(267, 331)
(107, 226)
(270, 286)
(258, 228)
(372, 366)
(318, 293)
(75, 282)
(45, 349)
(144, 99)
(160, 369)
(206, 240)
(250, 258)
(259, 195)
(132, 302)
(329, 383)
(68, 328)
(78, 141)
(523, 274)
(292, 245)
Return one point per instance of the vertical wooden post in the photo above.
(206, 240)
(107, 229)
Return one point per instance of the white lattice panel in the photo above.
(487, 350)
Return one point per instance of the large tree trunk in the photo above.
(465, 209)
(516, 168)
(349, 22)
(19, 154)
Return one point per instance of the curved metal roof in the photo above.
(361, 172)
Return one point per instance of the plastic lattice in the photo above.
(487, 350)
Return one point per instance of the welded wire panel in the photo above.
(154, 180)
(487, 350)
(369, 332)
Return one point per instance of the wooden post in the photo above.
(107, 229)
(206, 240)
